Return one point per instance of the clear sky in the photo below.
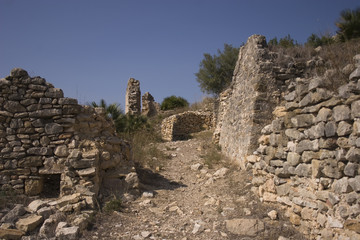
(90, 48)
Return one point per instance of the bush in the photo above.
(216, 71)
(173, 102)
(113, 205)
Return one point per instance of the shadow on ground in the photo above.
(155, 180)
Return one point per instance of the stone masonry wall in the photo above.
(245, 108)
(309, 158)
(43, 134)
(133, 97)
(309, 154)
(179, 126)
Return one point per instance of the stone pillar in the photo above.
(149, 106)
(132, 98)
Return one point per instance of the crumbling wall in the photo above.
(133, 97)
(42, 133)
(308, 158)
(309, 153)
(179, 126)
(150, 108)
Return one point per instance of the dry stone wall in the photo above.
(245, 108)
(46, 138)
(300, 140)
(179, 126)
(150, 108)
(52, 147)
(133, 97)
(309, 156)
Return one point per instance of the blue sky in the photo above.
(91, 48)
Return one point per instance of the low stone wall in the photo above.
(308, 158)
(50, 146)
(179, 126)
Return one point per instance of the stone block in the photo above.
(341, 186)
(355, 183)
(341, 113)
(14, 234)
(293, 158)
(303, 120)
(303, 170)
(243, 226)
(344, 128)
(307, 145)
(29, 223)
(355, 109)
(33, 187)
(330, 129)
(323, 115)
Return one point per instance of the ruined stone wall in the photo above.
(179, 126)
(309, 154)
(245, 108)
(150, 108)
(308, 158)
(46, 138)
(133, 97)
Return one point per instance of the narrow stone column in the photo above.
(132, 97)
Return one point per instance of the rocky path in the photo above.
(187, 200)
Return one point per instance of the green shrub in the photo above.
(173, 102)
(113, 205)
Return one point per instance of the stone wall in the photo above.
(179, 126)
(49, 141)
(309, 153)
(308, 158)
(245, 108)
(133, 97)
(150, 108)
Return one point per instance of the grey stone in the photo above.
(303, 170)
(333, 198)
(303, 120)
(323, 115)
(29, 223)
(18, 73)
(355, 75)
(351, 198)
(45, 113)
(247, 227)
(330, 129)
(14, 107)
(344, 129)
(53, 128)
(307, 156)
(355, 109)
(353, 155)
(341, 186)
(54, 93)
(14, 214)
(61, 151)
(316, 131)
(341, 113)
(48, 228)
(355, 183)
(307, 145)
(294, 134)
(330, 169)
(351, 169)
(40, 151)
(67, 233)
(67, 101)
(315, 83)
(293, 158)
(290, 96)
(334, 223)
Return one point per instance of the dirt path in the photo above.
(187, 200)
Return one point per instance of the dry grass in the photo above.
(335, 58)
